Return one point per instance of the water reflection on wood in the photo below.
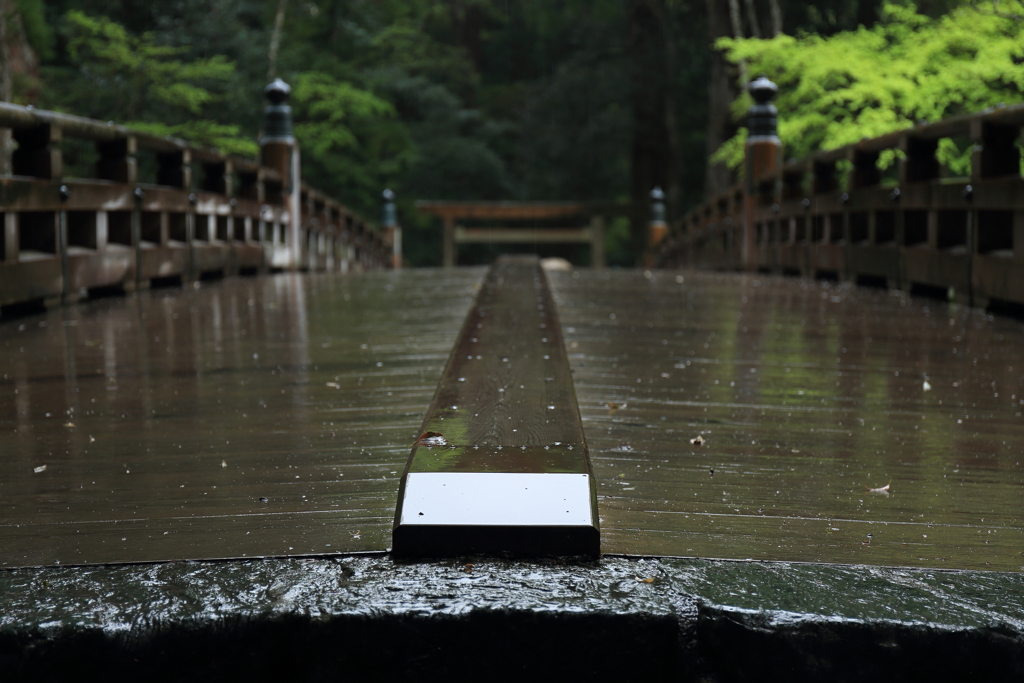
(805, 396)
(249, 417)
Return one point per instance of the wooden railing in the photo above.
(912, 228)
(156, 211)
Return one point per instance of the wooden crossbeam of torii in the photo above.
(450, 212)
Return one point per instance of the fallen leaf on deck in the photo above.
(430, 439)
(697, 441)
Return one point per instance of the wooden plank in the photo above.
(502, 465)
(507, 210)
(526, 210)
(806, 396)
(522, 235)
(248, 417)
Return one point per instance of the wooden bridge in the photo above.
(199, 214)
(836, 215)
(705, 434)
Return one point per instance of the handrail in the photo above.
(914, 228)
(205, 214)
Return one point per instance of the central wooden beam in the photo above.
(502, 462)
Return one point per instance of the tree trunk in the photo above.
(867, 12)
(755, 29)
(653, 150)
(776, 14)
(735, 19)
(275, 40)
(722, 90)
(6, 142)
(468, 21)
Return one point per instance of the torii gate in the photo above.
(453, 211)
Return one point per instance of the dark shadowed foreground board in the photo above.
(249, 417)
(806, 395)
(370, 618)
(502, 464)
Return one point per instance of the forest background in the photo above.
(593, 100)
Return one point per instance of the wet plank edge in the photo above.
(504, 419)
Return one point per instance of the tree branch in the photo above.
(995, 11)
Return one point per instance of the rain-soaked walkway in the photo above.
(248, 417)
(805, 397)
(273, 417)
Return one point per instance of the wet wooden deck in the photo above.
(805, 396)
(153, 427)
(249, 417)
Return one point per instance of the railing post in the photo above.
(449, 241)
(9, 236)
(139, 195)
(392, 230)
(190, 237)
(657, 228)
(763, 157)
(597, 257)
(65, 273)
(280, 152)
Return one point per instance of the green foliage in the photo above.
(416, 53)
(907, 68)
(146, 85)
(350, 136)
(38, 32)
(144, 71)
(226, 138)
(437, 99)
(330, 105)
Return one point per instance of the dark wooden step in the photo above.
(502, 465)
